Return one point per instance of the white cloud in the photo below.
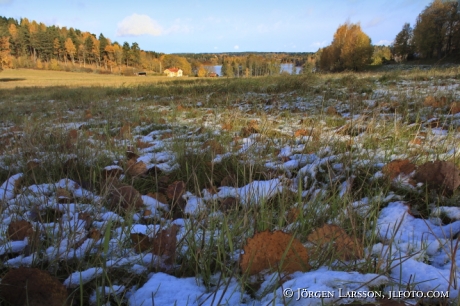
(236, 47)
(384, 42)
(136, 25)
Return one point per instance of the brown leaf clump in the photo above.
(332, 111)
(19, 230)
(300, 133)
(125, 197)
(112, 173)
(415, 141)
(435, 102)
(135, 168)
(333, 240)
(165, 244)
(396, 167)
(277, 251)
(33, 287)
(175, 190)
(88, 114)
(94, 234)
(441, 175)
(292, 215)
(158, 196)
(63, 195)
(32, 164)
(130, 154)
(455, 108)
(227, 126)
(214, 146)
(125, 131)
(251, 128)
(142, 145)
(73, 135)
(141, 242)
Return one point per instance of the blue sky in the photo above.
(173, 26)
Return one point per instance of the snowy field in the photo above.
(154, 200)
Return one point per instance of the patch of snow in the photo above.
(82, 277)
(7, 188)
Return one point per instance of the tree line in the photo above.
(436, 34)
(29, 44)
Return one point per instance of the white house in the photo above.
(173, 72)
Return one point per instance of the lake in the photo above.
(284, 68)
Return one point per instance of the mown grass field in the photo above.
(12, 78)
(102, 168)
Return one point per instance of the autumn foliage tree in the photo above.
(70, 49)
(175, 61)
(351, 49)
(437, 30)
(5, 57)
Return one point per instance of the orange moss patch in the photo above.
(277, 251)
(331, 237)
(31, 286)
(227, 126)
(396, 167)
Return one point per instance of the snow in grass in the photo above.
(7, 188)
(82, 277)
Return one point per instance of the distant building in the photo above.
(173, 72)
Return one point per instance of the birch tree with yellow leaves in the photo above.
(351, 49)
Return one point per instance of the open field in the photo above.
(12, 78)
(231, 191)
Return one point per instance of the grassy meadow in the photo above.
(12, 78)
(111, 165)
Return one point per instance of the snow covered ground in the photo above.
(412, 256)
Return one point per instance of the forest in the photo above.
(435, 36)
(32, 44)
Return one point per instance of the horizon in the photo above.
(209, 27)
